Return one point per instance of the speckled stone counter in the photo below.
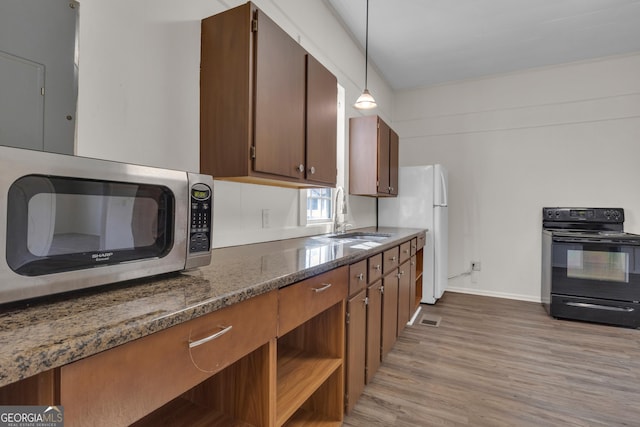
(52, 332)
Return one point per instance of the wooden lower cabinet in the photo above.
(237, 396)
(375, 318)
(374, 329)
(414, 300)
(420, 242)
(356, 348)
(119, 386)
(404, 295)
(40, 389)
(389, 312)
(284, 358)
(311, 343)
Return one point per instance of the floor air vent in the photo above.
(430, 320)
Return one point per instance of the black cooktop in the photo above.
(587, 224)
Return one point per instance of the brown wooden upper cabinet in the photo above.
(373, 157)
(268, 109)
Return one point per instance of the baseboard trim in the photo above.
(485, 293)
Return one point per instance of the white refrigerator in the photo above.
(422, 203)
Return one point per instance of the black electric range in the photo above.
(590, 266)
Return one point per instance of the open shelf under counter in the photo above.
(310, 419)
(182, 412)
(300, 375)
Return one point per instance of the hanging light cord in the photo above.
(366, 48)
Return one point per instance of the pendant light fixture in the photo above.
(366, 101)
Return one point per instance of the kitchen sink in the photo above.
(360, 235)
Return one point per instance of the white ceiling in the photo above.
(416, 43)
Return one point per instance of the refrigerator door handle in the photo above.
(443, 189)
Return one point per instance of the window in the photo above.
(319, 205)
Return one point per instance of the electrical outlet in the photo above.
(475, 265)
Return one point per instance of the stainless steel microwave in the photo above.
(69, 222)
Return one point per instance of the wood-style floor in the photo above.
(497, 362)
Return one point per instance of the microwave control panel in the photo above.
(200, 221)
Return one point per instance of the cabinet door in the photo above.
(414, 300)
(356, 344)
(389, 311)
(279, 101)
(383, 158)
(393, 162)
(363, 155)
(404, 295)
(374, 329)
(226, 93)
(322, 116)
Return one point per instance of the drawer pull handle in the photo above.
(224, 330)
(324, 287)
(360, 276)
(378, 267)
(599, 306)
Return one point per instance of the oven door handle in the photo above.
(599, 306)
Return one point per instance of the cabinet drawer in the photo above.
(121, 385)
(405, 251)
(421, 241)
(414, 246)
(375, 268)
(304, 300)
(390, 260)
(357, 276)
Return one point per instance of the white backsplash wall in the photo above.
(138, 101)
(558, 136)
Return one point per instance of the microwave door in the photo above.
(41, 224)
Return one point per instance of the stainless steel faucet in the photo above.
(338, 226)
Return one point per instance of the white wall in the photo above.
(138, 97)
(559, 136)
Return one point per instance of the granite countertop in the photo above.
(48, 333)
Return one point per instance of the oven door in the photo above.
(595, 269)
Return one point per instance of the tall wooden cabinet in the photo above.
(321, 119)
(404, 286)
(419, 270)
(356, 327)
(373, 157)
(268, 109)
